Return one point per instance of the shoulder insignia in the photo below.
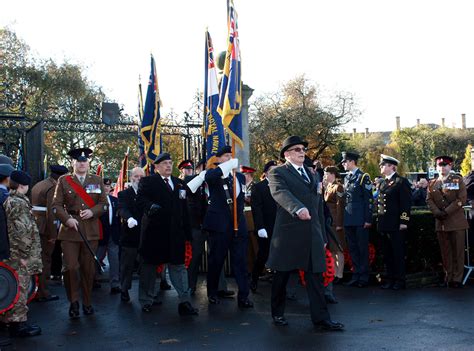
(404, 216)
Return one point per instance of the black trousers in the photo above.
(393, 247)
(262, 257)
(314, 288)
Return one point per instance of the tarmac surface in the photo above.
(375, 319)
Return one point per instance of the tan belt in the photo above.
(39, 208)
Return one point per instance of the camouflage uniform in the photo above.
(24, 245)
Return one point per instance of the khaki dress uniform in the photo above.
(446, 198)
(78, 264)
(42, 198)
(335, 201)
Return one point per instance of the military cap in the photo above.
(58, 169)
(332, 169)
(227, 149)
(349, 156)
(245, 169)
(388, 159)
(6, 170)
(187, 164)
(20, 177)
(81, 154)
(268, 165)
(5, 160)
(162, 157)
(290, 141)
(444, 160)
(107, 181)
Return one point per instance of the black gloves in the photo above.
(153, 210)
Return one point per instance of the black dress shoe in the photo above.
(387, 285)
(398, 286)
(245, 303)
(116, 290)
(280, 321)
(88, 310)
(124, 296)
(456, 285)
(23, 329)
(74, 310)
(226, 293)
(146, 308)
(361, 284)
(164, 285)
(4, 341)
(253, 286)
(47, 298)
(352, 282)
(330, 299)
(337, 281)
(329, 325)
(186, 309)
(213, 300)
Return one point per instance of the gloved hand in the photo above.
(153, 210)
(228, 166)
(196, 182)
(132, 222)
(262, 233)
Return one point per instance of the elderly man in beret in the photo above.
(42, 195)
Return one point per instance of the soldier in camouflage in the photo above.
(25, 251)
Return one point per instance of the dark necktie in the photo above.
(167, 181)
(303, 174)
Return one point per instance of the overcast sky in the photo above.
(407, 58)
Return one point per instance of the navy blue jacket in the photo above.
(358, 192)
(128, 207)
(111, 230)
(218, 217)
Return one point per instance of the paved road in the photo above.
(415, 319)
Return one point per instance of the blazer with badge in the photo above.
(67, 203)
(295, 241)
(219, 217)
(358, 193)
(393, 204)
(110, 230)
(263, 207)
(165, 225)
(128, 208)
(446, 199)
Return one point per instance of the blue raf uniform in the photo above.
(357, 212)
(218, 221)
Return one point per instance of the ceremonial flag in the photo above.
(150, 129)
(213, 129)
(230, 98)
(123, 176)
(141, 145)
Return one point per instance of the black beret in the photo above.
(268, 165)
(162, 157)
(20, 177)
(58, 169)
(224, 150)
(81, 154)
(107, 181)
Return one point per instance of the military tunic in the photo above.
(446, 198)
(77, 260)
(24, 246)
(334, 198)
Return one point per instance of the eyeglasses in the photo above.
(299, 149)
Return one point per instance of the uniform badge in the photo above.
(182, 194)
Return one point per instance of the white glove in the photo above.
(196, 182)
(132, 222)
(228, 166)
(262, 233)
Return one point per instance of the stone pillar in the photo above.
(443, 122)
(366, 133)
(398, 122)
(354, 133)
(417, 122)
(463, 121)
(244, 154)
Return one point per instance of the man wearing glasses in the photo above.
(299, 235)
(357, 218)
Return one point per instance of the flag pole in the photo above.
(234, 197)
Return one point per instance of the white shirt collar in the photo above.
(170, 181)
(390, 176)
(354, 171)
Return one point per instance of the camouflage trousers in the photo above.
(19, 312)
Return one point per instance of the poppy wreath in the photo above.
(328, 275)
(348, 259)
